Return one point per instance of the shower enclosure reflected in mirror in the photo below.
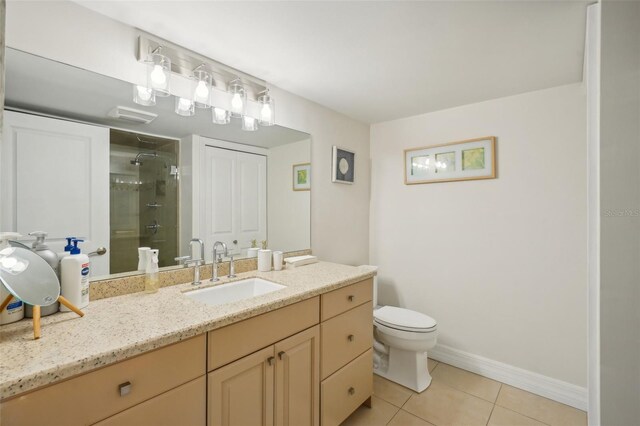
(72, 166)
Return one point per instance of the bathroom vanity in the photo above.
(300, 356)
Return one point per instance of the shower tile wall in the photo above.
(141, 197)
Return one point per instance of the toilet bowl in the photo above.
(402, 338)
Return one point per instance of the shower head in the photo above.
(137, 162)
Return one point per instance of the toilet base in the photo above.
(406, 368)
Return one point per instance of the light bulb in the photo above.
(202, 91)
(157, 75)
(236, 103)
(184, 104)
(265, 113)
(220, 113)
(144, 93)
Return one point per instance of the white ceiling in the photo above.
(377, 61)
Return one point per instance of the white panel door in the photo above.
(235, 199)
(55, 178)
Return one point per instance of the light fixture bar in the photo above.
(184, 61)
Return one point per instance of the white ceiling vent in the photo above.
(132, 115)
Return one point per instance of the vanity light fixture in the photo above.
(202, 87)
(143, 96)
(185, 107)
(220, 115)
(159, 73)
(238, 98)
(267, 109)
(249, 124)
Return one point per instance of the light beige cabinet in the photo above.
(276, 385)
(308, 363)
(346, 353)
(102, 393)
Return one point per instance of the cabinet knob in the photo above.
(270, 360)
(352, 390)
(281, 354)
(124, 388)
(351, 298)
(351, 337)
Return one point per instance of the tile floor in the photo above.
(458, 397)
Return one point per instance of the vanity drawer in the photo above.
(345, 337)
(346, 390)
(184, 405)
(101, 393)
(343, 299)
(234, 341)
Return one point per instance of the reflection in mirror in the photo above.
(78, 162)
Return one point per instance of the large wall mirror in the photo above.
(75, 163)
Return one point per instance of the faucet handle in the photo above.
(182, 260)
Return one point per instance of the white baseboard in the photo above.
(547, 387)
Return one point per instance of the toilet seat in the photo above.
(404, 320)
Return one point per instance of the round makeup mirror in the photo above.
(28, 276)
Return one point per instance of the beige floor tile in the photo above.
(390, 391)
(465, 381)
(380, 413)
(431, 364)
(443, 405)
(503, 417)
(402, 418)
(539, 408)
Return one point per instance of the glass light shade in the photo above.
(159, 74)
(143, 95)
(249, 124)
(267, 110)
(220, 116)
(185, 107)
(238, 99)
(202, 88)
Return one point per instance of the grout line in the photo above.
(490, 414)
(523, 415)
(394, 416)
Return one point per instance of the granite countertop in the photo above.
(120, 327)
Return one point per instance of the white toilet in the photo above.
(401, 340)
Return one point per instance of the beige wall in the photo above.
(501, 264)
(620, 213)
(288, 211)
(69, 33)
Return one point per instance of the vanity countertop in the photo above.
(120, 327)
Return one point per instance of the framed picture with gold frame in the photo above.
(454, 161)
(302, 177)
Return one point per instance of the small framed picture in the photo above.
(465, 160)
(302, 177)
(343, 166)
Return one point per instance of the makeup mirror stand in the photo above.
(36, 312)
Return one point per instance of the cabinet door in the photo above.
(184, 405)
(298, 379)
(241, 393)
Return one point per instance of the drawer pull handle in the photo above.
(351, 337)
(281, 354)
(270, 360)
(351, 298)
(352, 390)
(124, 388)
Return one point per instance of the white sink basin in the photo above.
(234, 291)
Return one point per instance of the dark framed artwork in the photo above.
(343, 166)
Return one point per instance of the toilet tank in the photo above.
(375, 282)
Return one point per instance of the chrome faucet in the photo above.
(217, 258)
(199, 241)
(188, 261)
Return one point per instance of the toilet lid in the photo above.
(404, 319)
